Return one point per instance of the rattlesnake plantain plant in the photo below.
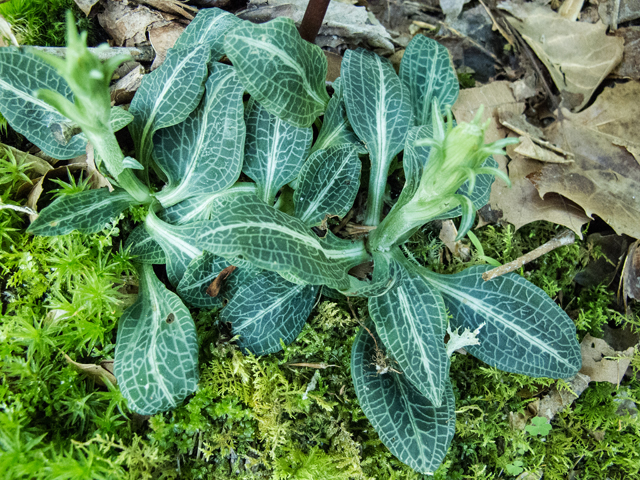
(192, 129)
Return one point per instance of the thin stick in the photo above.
(566, 237)
(312, 20)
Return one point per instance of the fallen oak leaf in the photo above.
(578, 55)
(601, 362)
(214, 289)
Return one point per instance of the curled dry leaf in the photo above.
(630, 65)
(578, 55)
(448, 234)
(125, 88)
(98, 372)
(601, 362)
(631, 273)
(605, 177)
(162, 39)
(521, 204)
(86, 5)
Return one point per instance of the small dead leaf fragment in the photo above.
(34, 196)
(529, 149)
(214, 289)
(570, 9)
(598, 367)
(86, 5)
(631, 273)
(97, 372)
(334, 62)
(448, 234)
(162, 39)
(578, 55)
(125, 88)
(630, 65)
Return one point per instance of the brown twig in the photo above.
(312, 20)
(566, 237)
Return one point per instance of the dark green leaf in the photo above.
(414, 430)
(156, 360)
(208, 28)
(386, 274)
(21, 75)
(336, 129)
(269, 309)
(144, 248)
(412, 322)
(328, 184)
(88, 212)
(525, 331)
(274, 150)
(427, 71)
(202, 271)
(167, 96)
(379, 110)
(280, 70)
(203, 154)
(249, 229)
(178, 245)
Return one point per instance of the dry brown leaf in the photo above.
(578, 55)
(521, 204)
(334, 62)
(605, 178)
(128, 25)
(570, 9)
(602, 363)
(162, 39)
(86, 5)
(630, 65)
(552, 403)
(214, 289)
(125, 88)
(34, 196)
(614, 12)
(98, 372)
(631, 273)
(173, 6)
(448, 234)
(527, 148)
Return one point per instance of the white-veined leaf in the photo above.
(21, 75)
(336, 129)
(269, 309)
(88, 212)
(283, 72)
(156, 360)
(208, 28)
(328, 184)
(205, 269)
(249, 229)
(411, 427)
(203, 154)
(144, 248)
(380, 113)
(274, 150)
(427, 71)
(167, 96)
(179, 246)
(411, 320)
(525, 331)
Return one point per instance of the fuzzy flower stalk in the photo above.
(89, 78)
(456, 156)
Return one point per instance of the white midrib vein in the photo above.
(26, 97)
(381, 137)
(273, 306)
(306, 239)
(185, 184)
(286, 59)
(404, 397)
(335, 133)
(168, 84)
(474, 304)
(153, 354)
(411, 319)
(272, 160)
